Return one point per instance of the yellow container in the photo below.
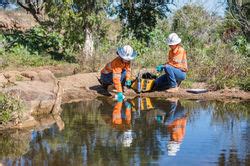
(145, 85)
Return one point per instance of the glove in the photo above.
(159, 68)
(119, 96)
(127, 105)
(128, 83)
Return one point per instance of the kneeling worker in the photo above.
(175, 68)
(118, 71)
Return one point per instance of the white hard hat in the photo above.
(173, 148)
(126, 52)
(173, 39)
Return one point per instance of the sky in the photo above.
(216, 6)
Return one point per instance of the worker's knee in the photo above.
(168, 68)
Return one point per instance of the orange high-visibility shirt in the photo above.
(177, 129)
(117, 115)
(177, 58)
(116, 66)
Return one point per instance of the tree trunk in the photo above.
(36, 8)
(88, 49)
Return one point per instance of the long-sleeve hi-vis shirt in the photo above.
(177, 58)
(116, 67)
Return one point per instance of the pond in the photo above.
(140, 131)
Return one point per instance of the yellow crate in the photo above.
(145, 85)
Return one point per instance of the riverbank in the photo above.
(42, 93)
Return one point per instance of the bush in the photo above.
(10, 109)
(39, 41)
(211, 57)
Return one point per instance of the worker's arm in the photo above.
(184, 62)
(117, 70)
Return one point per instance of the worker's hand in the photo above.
(128, 83)
(159, 68)
(119, 96)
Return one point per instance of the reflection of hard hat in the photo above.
(173, 148)
(127, 138)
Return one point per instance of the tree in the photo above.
(35, 7)
(240, 10)
(79, 21)
(140, 17)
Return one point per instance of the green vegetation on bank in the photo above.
(10, 109)
(218, 50)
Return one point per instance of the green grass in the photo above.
(18, 57)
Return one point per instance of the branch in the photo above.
(23, 6)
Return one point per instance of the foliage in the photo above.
(77, 19)
(10, 108)
(201, 34)
(36, 8)
(19, 55)
(140, 19)
(240, 13)
(38, 41)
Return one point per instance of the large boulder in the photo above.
(39, 90)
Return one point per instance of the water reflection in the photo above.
(136, 132)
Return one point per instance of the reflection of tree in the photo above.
(14, 144)
(231, 159)
(229, 113)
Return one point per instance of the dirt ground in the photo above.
(92, 87)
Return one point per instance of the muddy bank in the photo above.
(42, 93)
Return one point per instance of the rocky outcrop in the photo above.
(16, 20)
(79, 87)
(40, 91)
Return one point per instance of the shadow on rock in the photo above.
(99, 89)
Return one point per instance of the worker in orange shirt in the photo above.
(175, 68)
(118, 71)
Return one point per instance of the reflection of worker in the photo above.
(119, 115)
(121, 118)
(176, 126)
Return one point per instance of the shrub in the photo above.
(10, 109)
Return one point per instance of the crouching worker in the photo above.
(175, 68)
(118, 71)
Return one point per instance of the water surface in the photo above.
(141, 131)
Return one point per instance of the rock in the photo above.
(32, 75)
(46, 76)
(3, 80)
(39, 95)
(13, 76)
(79, 87)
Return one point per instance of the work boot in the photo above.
(173, 90)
